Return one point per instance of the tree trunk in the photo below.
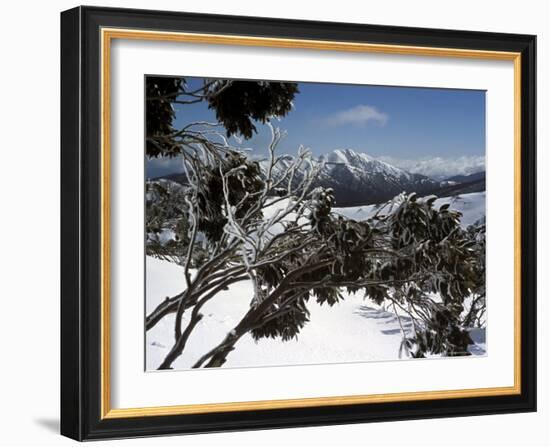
(180, 344)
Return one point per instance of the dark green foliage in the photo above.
(287, 324)
(433, 244)
(239, 103)
(244, 178)
(443, 261)
(167, 208)
(165, 211)
(407, 256)
(476, 313)
(160, 93)
(164, 203)
(442, 335)
(321, 203)
(327, 295)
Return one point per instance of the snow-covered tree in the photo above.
(414, 257)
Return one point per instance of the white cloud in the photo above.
(359, 116)
(440, 167)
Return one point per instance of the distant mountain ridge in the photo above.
(468, 178)
(359, 179)
(462, 184)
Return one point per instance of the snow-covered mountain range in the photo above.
(359, 179)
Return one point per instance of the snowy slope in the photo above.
(472, 207)
(351, 331)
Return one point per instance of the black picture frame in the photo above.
(81, 216)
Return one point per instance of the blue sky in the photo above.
(437, 132)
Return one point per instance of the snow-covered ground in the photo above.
(472, 207)
(355, 330)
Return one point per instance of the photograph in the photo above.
(294, 223)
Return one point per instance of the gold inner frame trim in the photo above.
(107, 35)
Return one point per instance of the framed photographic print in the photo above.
(276, 223)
